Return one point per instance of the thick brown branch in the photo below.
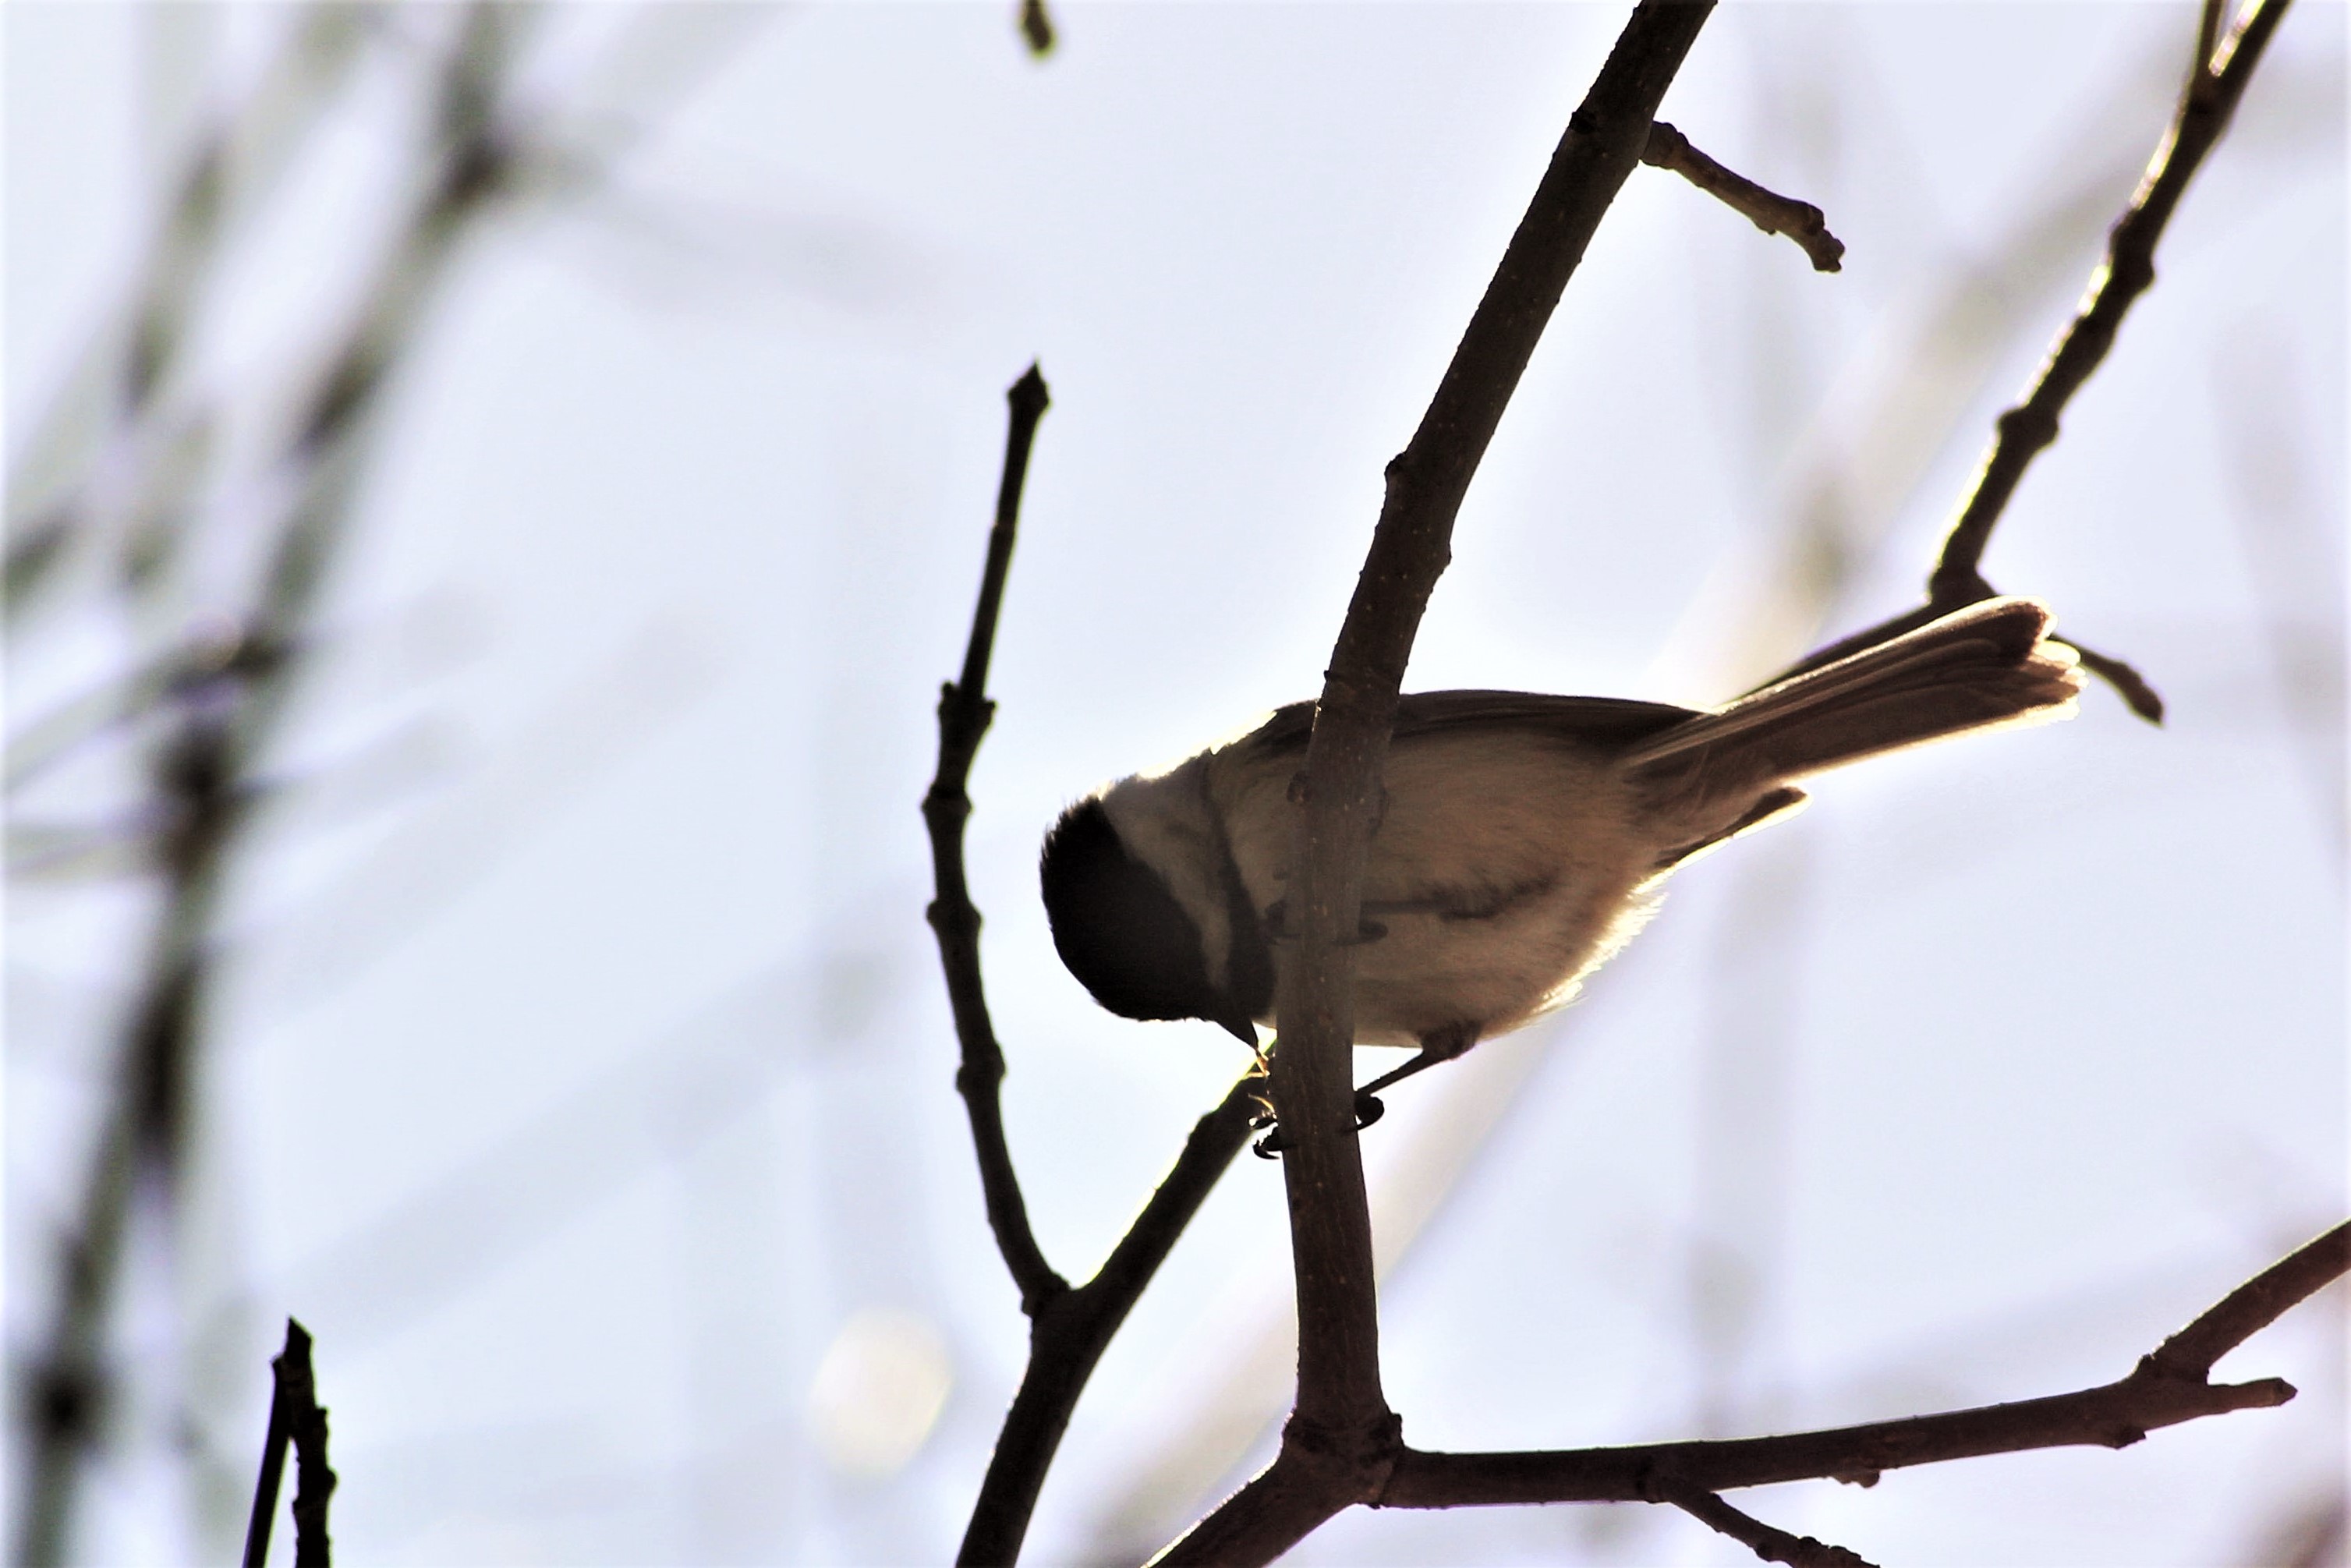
(1338, 1347)
(1342, 1435)
(1767, 210)
(1768, 1542)
(1339, 1389)
(2166, 1388)
(964, 715)
(1309, 1482)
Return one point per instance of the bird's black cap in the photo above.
(1120, 931)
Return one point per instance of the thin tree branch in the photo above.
(1069, 1328)
(2209, 19)
(965, 713)
(2168, 1387)
(264, 1517)
(1768, 1542)
(2215, 84)
(1767, 210)
(2255, 1304)
(1342, 1438)
(314, 1480)
(2024, 431)
(1071, 1331)
(295, 1417)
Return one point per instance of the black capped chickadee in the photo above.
(1520, 841)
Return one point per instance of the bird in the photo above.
(1521, 841)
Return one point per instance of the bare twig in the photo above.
(1770, 1542)
(2168, 1387)
(2255, 1304)
(1069, 1328)
(2024, 431)
(1070, 1334)
(1342, 1438)
(2209, 17)
(964, 716)
(2215, 84)
(295, 1418)
(1773, 214)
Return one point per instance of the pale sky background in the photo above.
(582, 1077)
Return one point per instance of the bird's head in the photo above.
(1120, 927)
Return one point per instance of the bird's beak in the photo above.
(1238, 1025)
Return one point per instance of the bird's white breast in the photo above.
(1504, 865)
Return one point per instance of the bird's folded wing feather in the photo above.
(1422, 714)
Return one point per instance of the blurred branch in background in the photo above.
(1036, 28)
(115, 488)
(106, 460)
(202, 766)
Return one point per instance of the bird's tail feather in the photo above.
(1986, 666)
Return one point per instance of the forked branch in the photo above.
(1068, 1327)
(965, 713)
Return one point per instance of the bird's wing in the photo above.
(1421, 715)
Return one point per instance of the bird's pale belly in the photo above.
(1425, 972)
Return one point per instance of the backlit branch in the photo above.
(2216, 81)
(1069, 1328)
(1767, 210)
(2169, 1387)
(1341, 1437)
